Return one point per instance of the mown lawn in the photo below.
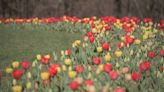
(20, 43)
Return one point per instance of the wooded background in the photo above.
(82, 8)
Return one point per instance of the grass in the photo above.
(23, 43)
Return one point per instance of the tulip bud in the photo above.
(62, 53)
(131, 52)
(29, 75)
(89, 75)
(14, 81)
(28, 85)
(117, 64)
(64, 68)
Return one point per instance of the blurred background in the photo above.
(82, 8)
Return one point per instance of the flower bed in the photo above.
(116, 55)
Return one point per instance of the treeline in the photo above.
(82, 8)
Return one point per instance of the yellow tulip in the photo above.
(28, 85)
(98, 71)
(48, 56)
(62, 53)
(99, 49)
(145, 37)
(72, 74)
(73, 45)
(15, 64)
(9, 70)
(94, 30)
(118, 24)
(77, 42)
(34, 63)
(118, 53)
(100, 67)
(44, 75)
(17, 88)
(107, 57)
(64, 68)
(38, 57)
(138, 42)
(68, 61)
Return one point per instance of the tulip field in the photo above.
(70, 54)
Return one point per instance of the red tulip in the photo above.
(128, 30)
(44, 60)
(68, 52)
(89, 34)
(107, 67)
(113, 75)
(144, 66)
(125, 19)
(105, 46)
(129, 40)
(119, 89)
(79, 69)
(162, 52)
(53, 70)
(91, 39)
(151, 54)
(135, 19)
(74, 85)
(135, 76)
(96, 60)
(147, 20)
(25, 64)
(17, 74)
(112, 19)
(107, 28)
(88, 82)
(118, 45)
